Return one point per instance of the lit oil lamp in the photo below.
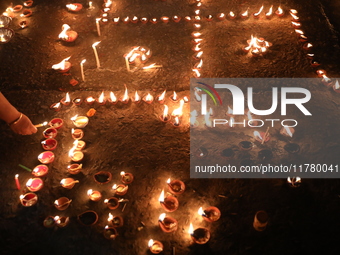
(165, 117)
(155, 247)
(197, 73)
(187, 18)
(279, 12)
(210, 214)
(307, 46)
(26, 13)
(50, 132)
(107, 3)
(110, 233)
(46, 157)
(115, 221)
(9, 12)
(134, 20)
(34, 184)
(176, 122)
(198, 55)
(56, 123)
(197, 26)
(102, 177)
(77, 133)
(176, 18)
(294, 181)
(66, 100)
(68, 35)
(61, 222)
(245, 14)
(28, 3)
(62, 203)
(137, 98)
(77, 101)
(231, 15)
(74, 168)
(196, 34)
(79, 145)
(125, 99)
(314, 63)
(257, 46)
(294, 16)
(178, 111)
(165, 19)
(197, 12)
(148, 98)
(199, 235)
(23, 24)
(199, 65)
(120, 189)
(287, 131)
(260, 220)
(104, 18)
(68, 183)
(144, 20)
(261, 137)
(320, 73)
(126, 20)
(116, 20)
(127, 178)
(101, 99)
(28, 199)
(94, 195)
(336, 87)
(176, 187)
(74, 7)
(221, 16)
(49, 144)
(167, 223)
(40, 170)
(153, 20)
(296, 24)
(64, 66)
(161, 98)
(257, 14)
(169, 204)
(209, 17)
(269, 13)
(90, 100)
(197, 47)
(74, 155)
(112, 203)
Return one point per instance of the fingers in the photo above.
(24, 126)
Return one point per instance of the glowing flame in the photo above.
(245, 14)
(259, 12)
(299, 31)
(114, 186)
(126, 95)
(113, 97)
(200, 211)
(168, 181)
(101, 98)
(197, 26)
(165, 112)
(63, 35)
(231, 14)
(95, 44)
(61, 65)
(294, 180)
(150, 243)
(67, 98)
(122, 173)
(176, 121)
(199, 54)
(197, 34)
(179, 110)
(162, 96)
(161, 197)
(221, 16)
(56, 202)
(75, 144)
(90, 99)
(279, 11)
(137, 97)
(257, 135)
(74, 117)
(270, 12)
(148, 97)
(197, 73)
(197, 40)
(295, 17)
(161, 217)
(71, 7)
(57, 105)
(191, 229)
(89, 192)
(296, 24)
(110, 218)
(200, 64)
(197, 47)
(29, 182)
(287, 129)
(293, 11)
(174, 97)
(309, 45)
(116, 20)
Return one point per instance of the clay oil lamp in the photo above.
(153, 20)
(56, 123)
(210, 214)
(307, 46)
(174, 97)
(176, 122)
(144, 20)
(74, 168)
(26, 13)
(126, 20)
(110, 233)
(40, 170)
(165, 19)
(209, 17)
(5, 21)
(292, 148)
(137, 98)
(49, 144)
(66, 100)
(46, 157)
(50, 132)
(75, 7)
(196, 34)
(231, 15)
(79, 145)
(176, 18)
(56, 107)
(113, 98)
(279, 12)
(49, 222)
(327, 81)
(269, 13)
(287, 131)
(314, 63)
(127, 178)
(228, 153)
(148, 98)
(6, 35)
(112, 203)
(102, 177)
(294, 181)
(199, 235)
(176, 187)
(256, 15)
(77, 101)
(134, 20)
(246, 145)
(261, 137)
(221, 16)
(90, 100)
(101, 99)
(67, 35)
(161, 97)
(61, 222)
(165, 117)
(63, 67)
(80, 121)
(28, 199)
(77, 133)
(116, 20)
(125, 99)
(68, 183)
(91, 112)
(94, 195)
(62, 203)
(120, 189)
(167, 223)
(88, 218)
(245, 15)
(187, 18)
(115, 221)
(75, 155)
(260, 220)
(169, 204)
(155, 247)
(28, 3)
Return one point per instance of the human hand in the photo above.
(23, 126)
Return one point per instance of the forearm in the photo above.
(8, 112)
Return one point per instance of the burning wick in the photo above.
(155, 246)
(176, 123)
(41, 124)
(294, 181)
(257, 14)
(161, 97)
(179, 111)
(201, 212)
(137, 97)
(91, 6)
(270, 12)
(66, 100)
(174, 97)
(96, 53)
(148, 98)
(63, 66)
(245, 14)
(125, 98)
(94, 195)
(23, 24)
(165, 116)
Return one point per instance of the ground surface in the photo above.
(132, 138)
